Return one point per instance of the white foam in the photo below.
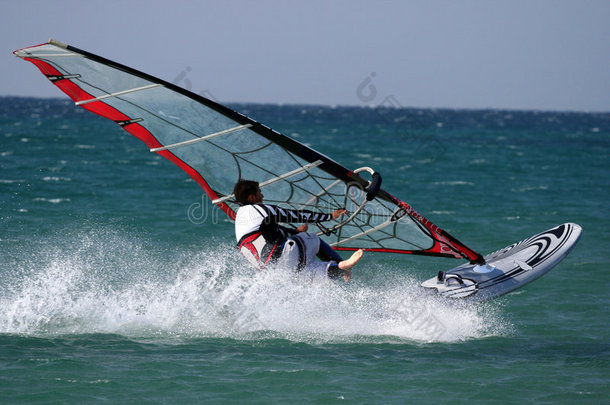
(56, 178)
(52, 200)
(9, 181)
(110, 284)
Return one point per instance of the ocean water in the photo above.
(111, 292)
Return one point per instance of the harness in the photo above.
(256, 248)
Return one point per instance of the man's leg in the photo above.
(327, 253)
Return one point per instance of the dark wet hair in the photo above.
(243, 189)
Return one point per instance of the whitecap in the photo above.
(454, 183)
(55, 178)
(52, 200)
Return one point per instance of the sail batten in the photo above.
(203, 138)
(116, 94)
(173, 121)
(276, 179)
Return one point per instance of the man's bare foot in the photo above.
(349, 263)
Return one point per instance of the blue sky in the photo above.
(538, 54)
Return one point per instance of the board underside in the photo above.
(509, 268)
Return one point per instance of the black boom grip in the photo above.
(373, 188)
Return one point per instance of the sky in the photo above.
(503, 54)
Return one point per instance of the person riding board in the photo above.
(262, 240)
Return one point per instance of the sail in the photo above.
(217, 146)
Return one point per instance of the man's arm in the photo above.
(287, 215)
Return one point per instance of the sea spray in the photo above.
(109, 281)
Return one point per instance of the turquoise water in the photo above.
(111, 292)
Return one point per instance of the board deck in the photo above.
(509, 268)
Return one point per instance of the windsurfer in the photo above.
(262, 240)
